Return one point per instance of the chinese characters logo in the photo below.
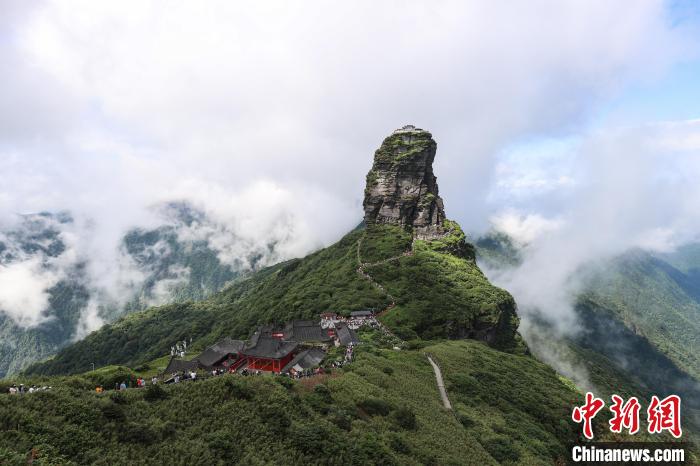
(662, 415)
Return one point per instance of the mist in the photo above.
(266, 117)
(627, 188)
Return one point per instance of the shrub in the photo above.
(323, 391)
(501, 448)
(113, 412)
(138, 433)
(399, 445)
(118, 398)
(309, 438)
(405, 418)
(286, 382)
(342, 420)
(465, 420)
(375, 407)
(239, 390)
(155, 393)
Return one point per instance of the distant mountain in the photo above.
(38, 237)
(409, 264)
(408, 261)
(654, 300)
(640, 313)
(171, 265)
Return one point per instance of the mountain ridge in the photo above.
(438, 289)
(407, 261)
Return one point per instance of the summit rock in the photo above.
(401, 186)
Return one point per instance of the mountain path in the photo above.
(362, 271)
(440, 383)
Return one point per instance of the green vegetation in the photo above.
(439, 295)
(517, 407)
(158, 253)
(640, 312)
(497, 250)
(382, 409)
(205, 273)
(399, 148)
(656, 300)
(453, 242)
(383, 242)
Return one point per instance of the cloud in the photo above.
(266, 115)
(24, 293)
(164, 289)
(90, 320)
(635, 187)
(523, 228)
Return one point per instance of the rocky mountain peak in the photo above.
(401, 187)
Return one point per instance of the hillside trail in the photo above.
(362, 271)
(440, 383)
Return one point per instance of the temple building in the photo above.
(267, 353)
(224, 353)
(307, 331)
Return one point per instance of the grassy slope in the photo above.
(432, 288)
(442, 295)
(655, 300)
(640, 338)
(511, 409)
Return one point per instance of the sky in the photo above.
(572, 125)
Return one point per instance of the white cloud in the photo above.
(266, 115)
(24, 289)
(89, 321)
(163, 289)
(635, 187)
(524, 228)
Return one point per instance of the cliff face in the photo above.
(401, 187)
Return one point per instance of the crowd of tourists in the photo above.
(305, 373)
(177, 377)
(22, 389)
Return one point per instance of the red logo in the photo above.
(665, 415)
(661, 415)
(587, 412)
(625, 415)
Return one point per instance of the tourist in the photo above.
(13, 390)
(154, 380)
(122, 386)
(193, 376)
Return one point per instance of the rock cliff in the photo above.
(401, 187)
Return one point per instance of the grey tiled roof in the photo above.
(179, 365)
(346, 335)
(305, 331)
(306, 359)
(220, 350)
(268, 347)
